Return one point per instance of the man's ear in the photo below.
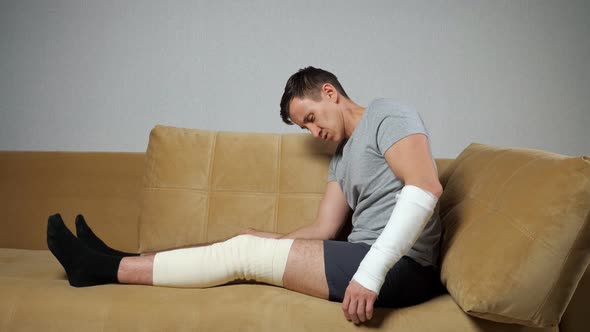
(329, 91)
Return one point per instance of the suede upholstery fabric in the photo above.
(36, 297)
(205, 186)
(107, 187)
(103, 186)
(516, 232)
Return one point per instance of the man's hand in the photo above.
(247, 231)
(358, 302)
(254, 232)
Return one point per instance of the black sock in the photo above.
(84, 266)
(91, 240)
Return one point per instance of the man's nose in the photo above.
(316, 133)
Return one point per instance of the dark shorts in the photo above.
(407, 283)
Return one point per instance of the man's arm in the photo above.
(269, 235)
(332, 214)
(411, 161)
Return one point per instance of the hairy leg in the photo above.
(137, 270)
(242, 257)
(305, 271)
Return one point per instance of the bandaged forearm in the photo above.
(245, 257)
(410, 215)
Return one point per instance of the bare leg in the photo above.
(137, 270)
(304, 272)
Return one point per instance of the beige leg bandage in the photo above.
(242, 257)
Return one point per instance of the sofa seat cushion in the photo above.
(30, 265)
(516, 236)
(32, 284)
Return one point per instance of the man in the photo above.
(382, 172)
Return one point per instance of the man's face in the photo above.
(319, 117)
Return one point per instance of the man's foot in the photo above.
(92, 241)
(84, 266)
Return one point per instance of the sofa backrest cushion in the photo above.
(102, 186)
(205, 186)
(516, 237)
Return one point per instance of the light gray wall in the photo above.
(98, 75)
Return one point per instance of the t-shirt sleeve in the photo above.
(396, 124)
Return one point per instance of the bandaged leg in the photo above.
(242, 257)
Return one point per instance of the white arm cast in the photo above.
(412, 211)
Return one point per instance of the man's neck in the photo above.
(352, 114)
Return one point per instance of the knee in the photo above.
(242, 239)
(246, 244)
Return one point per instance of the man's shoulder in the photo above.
(384, 107)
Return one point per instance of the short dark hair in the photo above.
(306, 83)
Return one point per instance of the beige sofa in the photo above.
(195, 186)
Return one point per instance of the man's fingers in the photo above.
(360, 310)
(345, 305)
(358, 304)
(369, 309)
(352, 311)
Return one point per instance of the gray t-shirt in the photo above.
(369, 184)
